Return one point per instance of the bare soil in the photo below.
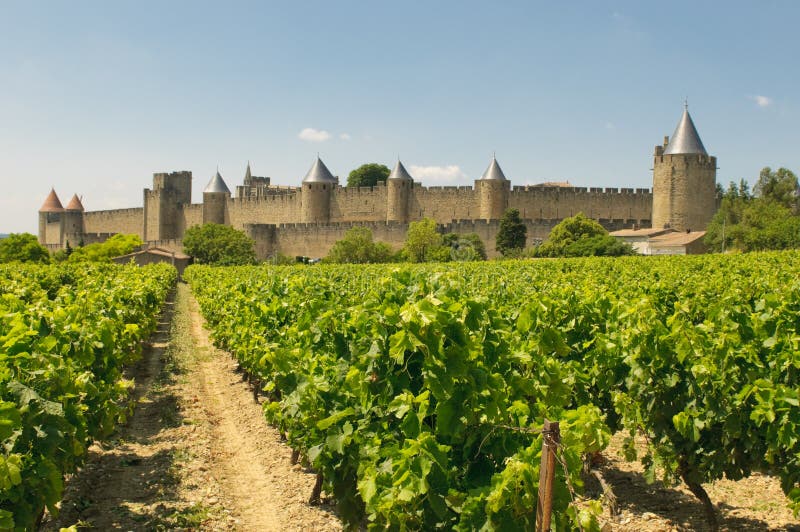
(753, 504)
(197, 453)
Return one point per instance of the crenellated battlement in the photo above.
(307, 219)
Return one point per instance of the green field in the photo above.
(416, 390)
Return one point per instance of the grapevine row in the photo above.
(400, 384)
(65, 334)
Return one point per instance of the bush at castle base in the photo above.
(221, 245)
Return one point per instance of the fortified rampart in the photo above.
(308, 219)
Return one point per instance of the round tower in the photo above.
(399, 186)
(50, 219)
(493, 189)
(73, 220)
(684, 180)
(215, 200)
(317, 189)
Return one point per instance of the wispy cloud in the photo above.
(345, 136)
(450, 174)
(310, 134)
(761, 101)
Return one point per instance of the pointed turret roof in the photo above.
(685, 139)
(493, 172)
(247, 175)
(319, 173)
(74, 204)
(52, 203)
(399, 172)
(217, 184)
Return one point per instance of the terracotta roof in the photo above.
(75, 204)
(646, 232)
(676, 238)
(162, 252)
(52, 203)
(562, 184)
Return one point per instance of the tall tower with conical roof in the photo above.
(317, 189)
(493, 189)
(398, 194)
(73, 221)
(684, 180)
(215, 200)
(51, 219)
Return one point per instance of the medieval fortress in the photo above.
(307, 220)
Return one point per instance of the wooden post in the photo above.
(551, 437)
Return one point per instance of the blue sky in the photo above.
(97, 96)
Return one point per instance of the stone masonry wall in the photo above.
(129, 221)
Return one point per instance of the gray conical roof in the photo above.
(399, 172)
(493, 172)
(247, 175)
(319, 173)
(685, 139)
(217, 184)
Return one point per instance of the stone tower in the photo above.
(215, 200)
(398, 194)
(163, 205)
(315, 198)
(51, 219)
(684, 180)
(493, 189)
(73, 221)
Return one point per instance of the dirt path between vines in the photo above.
(197, 453)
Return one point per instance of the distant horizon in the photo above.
(99, 96)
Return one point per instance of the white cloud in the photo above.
(441, 175)
(345, 136)
(611, 126)
(310, 134)
(762, 101)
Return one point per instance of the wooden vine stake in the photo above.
(551, 437)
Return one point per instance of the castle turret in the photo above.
(315, 198)
(215, 199)
(493, 189)
(163, 205)
(73, 221)
(50, 219)
(398, 192)
(684, 180)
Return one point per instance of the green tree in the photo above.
(764, 220)
(579, 236)
(780, 186)
(23, 247)
(464, 247)
(218, 244)
(358, 247)
(368, 175)
(512, 234)
(423, 243)
(119, 244)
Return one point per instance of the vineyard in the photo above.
(417, 393)
(66, 332)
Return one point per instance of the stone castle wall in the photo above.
(129, 221)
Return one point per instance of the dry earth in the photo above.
(197, 454)
(751, 504)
